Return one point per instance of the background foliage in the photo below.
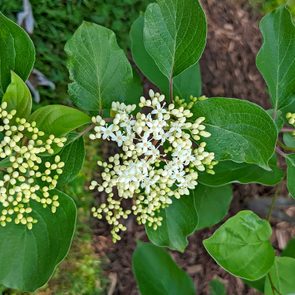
(55, 23)
(269, 5)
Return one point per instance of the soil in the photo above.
(228, 69)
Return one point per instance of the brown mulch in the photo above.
(228, 69)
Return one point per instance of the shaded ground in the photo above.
(228, 69)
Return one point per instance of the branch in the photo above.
(280, 152)
(287, 130)
(287, 148)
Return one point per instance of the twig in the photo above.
(287, 130)
(83, 132)
(287, 148)
(113, 278)
(280, 152)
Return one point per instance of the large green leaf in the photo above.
(58, 119)
(186, 84)
(29, 257)
(291, 174)
(282, 277)
(242, 247)
(99, 69)
(157, 274)
(241, 131)
(212, 204)
(180, 220)
(17, 52)
(275, 59)
(204, 207)
(175, 34)
(18, 97)
(73, 156)
(231, 172)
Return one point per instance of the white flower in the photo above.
(159, 110)
(144, 144)
(119, 138)
(107, 132)
(159, 161)
(153, 152)
(122, 108)
(156, 128)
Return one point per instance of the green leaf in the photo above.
(216, 287)
(290, 159)
(98, 68)
(275, 59)
(157, 274)
(186, 84)
(58, 119)
(180, 220)
(278, 117)
(17, 52)
(231, 172)
(175, 34)
(28, 257)
(204, 207)
(18, 97)
(282, 277)
(212, 204)
(73, 156)
(289, 251)
(241, 131)
(5, 163)
(289, 140)
(242, 247)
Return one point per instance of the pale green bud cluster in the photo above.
(162, 154)
(192, 100)
(25, 176)
(291, 120)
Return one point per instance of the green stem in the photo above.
(171, 89)
(287, 148)
(273, 287)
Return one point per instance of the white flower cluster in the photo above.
(25, 177)
(162, 153)
(291, 120)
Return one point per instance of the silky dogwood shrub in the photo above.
(169, 148)
(37, 220)
(177, 152)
